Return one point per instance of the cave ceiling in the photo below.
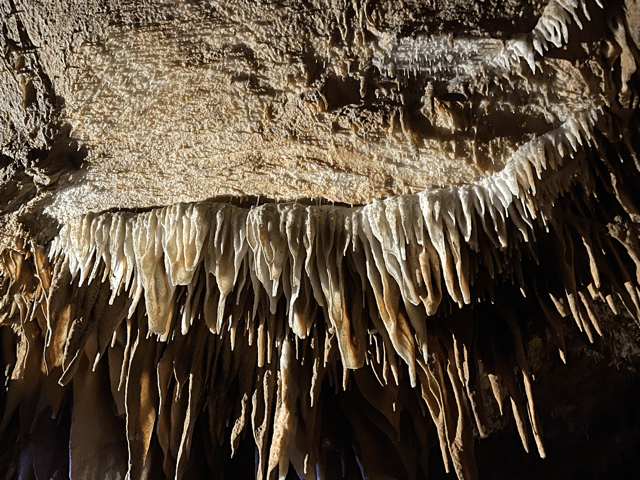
(319, 239)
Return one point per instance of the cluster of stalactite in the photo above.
(243, 319)
(329, 340)
(419, 53)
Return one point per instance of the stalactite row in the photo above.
(258, 378)
(66, 326)
(284, 249)
(378, 289)
(312, 335)
(274, 379)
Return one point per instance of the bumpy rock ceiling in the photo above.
(316, 239)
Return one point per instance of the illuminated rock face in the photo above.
(343, 239)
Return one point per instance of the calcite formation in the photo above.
(385, 225)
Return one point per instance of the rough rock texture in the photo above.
(319, 239)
